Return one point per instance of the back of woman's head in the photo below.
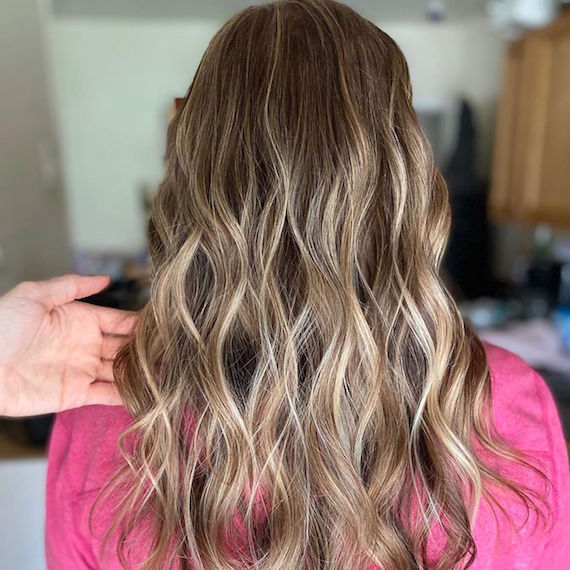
(300, 362)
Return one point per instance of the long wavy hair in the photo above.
(304, 391)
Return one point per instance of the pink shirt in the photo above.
(83, 454)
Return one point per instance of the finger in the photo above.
(64, 289)
(111, 345)
(104, 393)
(105, 371)
(114, 321)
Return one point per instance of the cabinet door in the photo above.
(550, 193)
(531, 176)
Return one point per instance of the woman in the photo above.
(301, 391)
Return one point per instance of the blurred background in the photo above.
(86, 92)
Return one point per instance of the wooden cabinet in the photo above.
(531, 166)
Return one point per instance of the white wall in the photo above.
(115, 79)
(33, 229)
(22, 496)
(114, 82)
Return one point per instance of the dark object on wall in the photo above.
(126, 294)
(544, 275)
(435, 11)
(467, 256)
(38, 429)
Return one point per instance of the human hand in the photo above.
(57, 353)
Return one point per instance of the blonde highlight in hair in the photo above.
(300, 362)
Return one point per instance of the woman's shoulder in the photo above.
(508, 369)
(526, 416)
(85, 443)
(95, 419)
(524, 410)
(83, 455)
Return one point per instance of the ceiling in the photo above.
(377, 10)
